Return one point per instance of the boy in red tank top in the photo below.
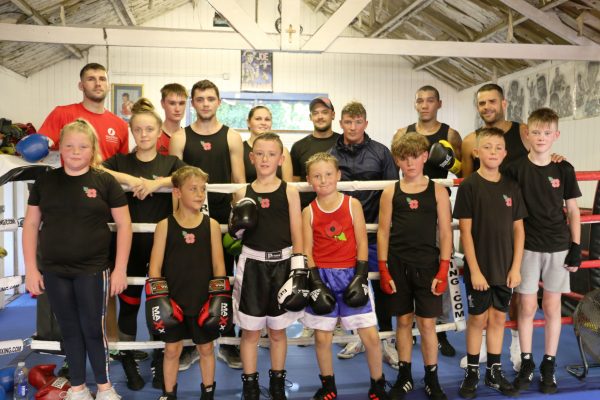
(335, 243)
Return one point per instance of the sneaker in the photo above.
(172, 395)
(139, 355)
(207, 392)
(306, 333)
(230, 354)
(433, 388)
(525, 375)
(157, 369)
(132, 371)
(468, 387)
(389, 352)
(250, 389)
(404, 383)
(351, 349)
(377, 389)
(494, 379)
(482, 359)
(277, 384)
(547, 378)
(444, 345)
(189, 355)
(109, 394)
(515, 351)
(79, 395)
(264, 334)
(328, 390)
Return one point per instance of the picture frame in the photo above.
(256, 71)
(123, 96)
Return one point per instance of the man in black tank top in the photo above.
(218, 151)
(427, 104)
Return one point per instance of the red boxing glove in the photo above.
(385, 278)
(442, 276)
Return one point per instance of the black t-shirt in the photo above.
(211, 154)
(301, 152)
(74, 237)
(187, 265)
(272, 232)
(249, 168)
(431, 170)
(414, 227)
(545, 188)
(492, 207)
(157, 206)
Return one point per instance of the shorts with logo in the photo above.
(479, 301)
(413, 289)
(258, 277)
(547, 267)
(337, 279)
(189, 329)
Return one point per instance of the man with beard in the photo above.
(112, 132)
(218, 150)
(321, 139)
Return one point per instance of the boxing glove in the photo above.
(357, 292)
(385, 279)
(33, 147)
(442, 155)
(442, 276)
(231, 245)
(573, 258)
(50, 387)
(216, 314)
(293, 295)
(322, 300)
(244, 215)
(162, 312)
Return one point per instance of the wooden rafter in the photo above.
(403, 15)
(123, 17)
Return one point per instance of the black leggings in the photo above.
(79, 303)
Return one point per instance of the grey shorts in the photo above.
(546, 267)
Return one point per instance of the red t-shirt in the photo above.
(112, 131)
(334, 243)
(162, 144)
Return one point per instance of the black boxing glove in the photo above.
(357, 292)
(573, 258)
(293, 295)
(244, 215)
(322, 300)
(162, 312)
(216, 314)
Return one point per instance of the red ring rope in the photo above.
(539, 322)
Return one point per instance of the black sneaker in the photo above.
(157, 369)
(172, 395)
(433, 388)
(132, 370)
(468, 387)
(494, 379)
(377, 389)
(230, 354)
(444, 345)
(525, 375)
(547, 378)
(328, 390)
(277, 384)
(404, 383)
(250, 389)
(139, 355)
(207, 392)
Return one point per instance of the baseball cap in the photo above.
(321, 100)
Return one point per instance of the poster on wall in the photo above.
(587, 89)
(257, 71)
(123, 98)
(561, 90)
(514, 91)
(537, 91)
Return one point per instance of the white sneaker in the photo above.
(351, 349)
(109, 394)
(306, 333)
(79, 395)
(515, 350)
(482, 355)
(389, 352)
(187, 358)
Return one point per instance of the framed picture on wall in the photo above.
(257, 71)
(124, 95)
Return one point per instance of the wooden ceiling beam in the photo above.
(405, 14)
(119, 13)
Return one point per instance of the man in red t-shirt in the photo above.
(112, 131)
(173, 101)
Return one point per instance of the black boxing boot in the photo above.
(277, 384)
(250, 389)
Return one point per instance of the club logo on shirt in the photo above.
(555, 182)
(412, 203)
(91, 193)
(507, 200)
(334, 231)
(111, 136)
(264, 202)
(111, 132)
(189, 238)
(207, 146)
